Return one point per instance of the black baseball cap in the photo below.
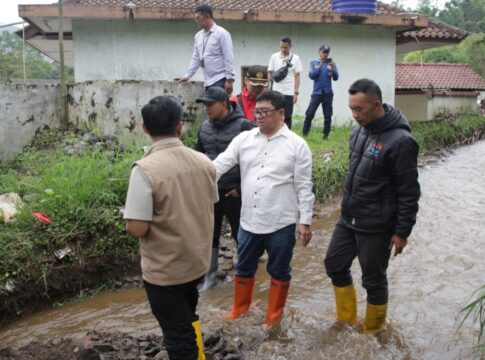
(324, 48)
(213, 94)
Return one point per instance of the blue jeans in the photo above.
(279, 246)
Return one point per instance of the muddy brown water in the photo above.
(429, 284)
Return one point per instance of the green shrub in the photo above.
(78, 193)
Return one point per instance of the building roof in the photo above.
(434, 31)
(411, 76)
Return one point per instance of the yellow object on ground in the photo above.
(346, 302)
(10, 204)
(198, 338)
(375, 318)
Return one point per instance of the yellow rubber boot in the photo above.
(198, 339)
(375, 318)
(346, 302)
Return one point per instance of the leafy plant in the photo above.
(475, 309)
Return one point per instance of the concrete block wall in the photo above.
(24, 110)
(112, 107)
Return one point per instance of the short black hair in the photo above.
(286, 39)
(161, 115)
(366, 86)
(204, 9)
(276, 98)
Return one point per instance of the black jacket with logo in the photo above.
(381, 190)
(215, 136)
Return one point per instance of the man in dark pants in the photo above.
(290, 85)
(379, 204)
(170, 206)
(213, 52)
(225, 122)
(322, 72)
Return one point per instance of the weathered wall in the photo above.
(113, 107)
(452, 104)
(413, 106)
(24, 109)
(148, 50)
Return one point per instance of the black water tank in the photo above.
(355, 6)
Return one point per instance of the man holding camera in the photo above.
(322, 72)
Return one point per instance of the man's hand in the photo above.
(233, 193)
(399, 242)
(304, 234)
(319, 66)
(295, 98)
(182, 79)
(228, 86)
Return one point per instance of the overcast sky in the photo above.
(9, 8)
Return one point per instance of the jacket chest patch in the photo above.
(375, 148)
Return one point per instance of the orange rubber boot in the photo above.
(243, 296)
(278, 293)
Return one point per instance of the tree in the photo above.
(468, 15)
(474, 47)
(37, 66)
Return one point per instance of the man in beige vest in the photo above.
(170, 206)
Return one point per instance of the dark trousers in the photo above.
(218, 83)
(174, 308)
(326, 100)
(288, 110)
(231, 208)
(373, 253)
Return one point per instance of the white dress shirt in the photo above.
(215, 48)
(276, 179)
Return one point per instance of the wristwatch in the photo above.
(296, 92)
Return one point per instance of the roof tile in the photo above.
(438, 76)
(435, 30)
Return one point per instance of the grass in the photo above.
(78, 193)
(475, 309)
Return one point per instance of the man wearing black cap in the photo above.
(255, 82)
(322, 72)
(225, 122)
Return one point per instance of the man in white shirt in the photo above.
(213, 52)
(291, 83)
(277, 200)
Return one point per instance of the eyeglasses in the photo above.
(262, 112)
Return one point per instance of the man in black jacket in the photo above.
(379, 204)
(224, 123)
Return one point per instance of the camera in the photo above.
(327, 60)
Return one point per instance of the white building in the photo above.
(154, 41)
